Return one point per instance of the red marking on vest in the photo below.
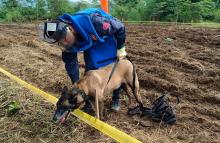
(93, 37)
(105, 25)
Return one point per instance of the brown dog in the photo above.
(94, 84)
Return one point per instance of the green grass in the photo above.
(207, 24)
(202, 24)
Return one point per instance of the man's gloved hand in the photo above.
(121, 53)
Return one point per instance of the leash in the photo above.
(133, 83)
(113, 69)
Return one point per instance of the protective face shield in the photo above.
(52, 31)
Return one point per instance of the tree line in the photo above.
(127, 10)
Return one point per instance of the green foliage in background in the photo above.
(28, 10)
(167, 10)
(217, 15)
(127, 10)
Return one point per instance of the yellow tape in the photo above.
(99, 125)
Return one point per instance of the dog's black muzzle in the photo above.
(61, 114)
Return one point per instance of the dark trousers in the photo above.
(116, 94)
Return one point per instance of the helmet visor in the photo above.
(52, 32)
(46, 30)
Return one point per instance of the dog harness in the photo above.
(81, 93)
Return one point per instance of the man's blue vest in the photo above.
(99, 52)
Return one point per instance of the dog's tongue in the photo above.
(62, 120)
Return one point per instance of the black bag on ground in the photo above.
(161, 110)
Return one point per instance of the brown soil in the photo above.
(187, 66)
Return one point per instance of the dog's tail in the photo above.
(134, 81)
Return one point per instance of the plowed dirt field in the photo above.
(177, 60)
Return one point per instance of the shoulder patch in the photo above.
(93, 37)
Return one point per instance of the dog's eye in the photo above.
(72, 100)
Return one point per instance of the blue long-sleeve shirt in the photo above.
(104, 27)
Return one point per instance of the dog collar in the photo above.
(81, 93)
